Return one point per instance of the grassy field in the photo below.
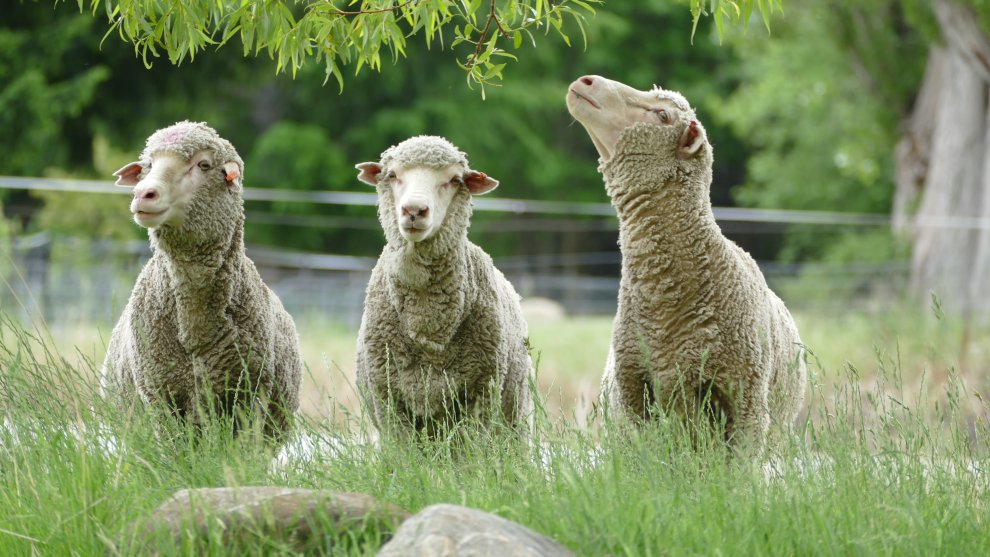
(892, 458)
(570, 355)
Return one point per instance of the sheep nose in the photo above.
(415, 212)
(146, 194)
(587, 80)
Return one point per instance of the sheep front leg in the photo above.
(750, 421)
(279, 417)
(610, 397)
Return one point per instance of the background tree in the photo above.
(943, 173)
(805, 119)
(819, 105)
(849, 98)
(297, 133)
(44, 87)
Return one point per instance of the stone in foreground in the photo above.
(450, 530)
(256, 518)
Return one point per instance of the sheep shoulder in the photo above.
(146, 337)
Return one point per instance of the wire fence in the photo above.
(571, 257)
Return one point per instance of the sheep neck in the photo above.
(428, 280)
(428, 292)
(661, 233)
(418, 266)
(669, 240)
(204, 278)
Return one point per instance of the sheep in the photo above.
(697, 331)
(442, 336)
(200, 330)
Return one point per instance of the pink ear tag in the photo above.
(232, 175)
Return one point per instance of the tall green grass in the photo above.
(875, 467)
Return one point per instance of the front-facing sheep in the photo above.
(442, 336)
(697, 329)
(201, 330)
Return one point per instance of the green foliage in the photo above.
(820, 106)
(6, 246)
(521, 134)
(101, 216)
(733, 11)
(850, 267)
(6, 230)
(341, 33)
(296, 156)
(44, 87)
(362, 33)
(981, 8)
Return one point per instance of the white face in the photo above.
(422, 197)
(163, 190)
(605, 108)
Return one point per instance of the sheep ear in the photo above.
(691, 140)
(128, 175)
(232, 173)
(369, 172)
(479, 183)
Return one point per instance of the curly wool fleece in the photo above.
(430, 151)
(200, 316)
(442, 334)
(695, 316)
(186, 139)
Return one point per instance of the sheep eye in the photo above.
(390, 175)
(457, 181)
(663, 115)
(204, 166)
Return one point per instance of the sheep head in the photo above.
(165, 185)
(418, 181)
(183, 170)
(608, 109)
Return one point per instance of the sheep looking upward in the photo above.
(697, 329)
(442, 336)
(201, 328)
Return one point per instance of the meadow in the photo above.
(891, 456)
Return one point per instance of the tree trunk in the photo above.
(947, 140)
(913, 152)
(979, 293)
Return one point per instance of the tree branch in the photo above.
(381, 11)
(484, 33)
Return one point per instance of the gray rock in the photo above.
(450, 530)
(263, 518)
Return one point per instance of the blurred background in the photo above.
(824, 171)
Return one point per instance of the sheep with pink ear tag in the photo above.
(698, 334)
(201, 334)
(442, 337)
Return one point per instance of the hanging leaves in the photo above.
(360, 33)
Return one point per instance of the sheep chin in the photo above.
(415, 235)
(146, 219)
